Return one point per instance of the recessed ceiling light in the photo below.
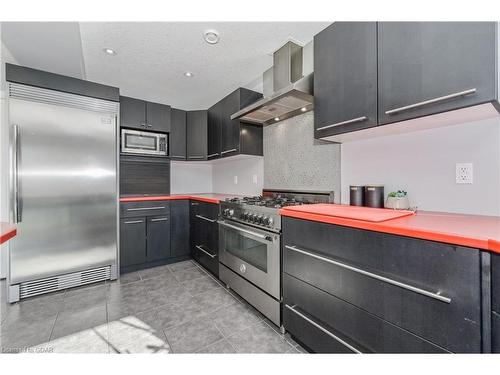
(109, 51)
(276, 119)
(211, 36)
(188, 74)
(303, 109)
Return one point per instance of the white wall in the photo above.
(249, 172)
(423, 163)
(190, 177)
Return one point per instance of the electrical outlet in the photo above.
(235, 180)
(464, 173)
(254, 179)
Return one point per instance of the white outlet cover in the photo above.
(254, 178)
(235, 180)
(464, 173)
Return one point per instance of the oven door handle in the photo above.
(252, 233)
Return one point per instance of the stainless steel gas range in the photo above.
(250, 245)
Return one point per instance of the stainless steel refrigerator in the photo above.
(64, 189)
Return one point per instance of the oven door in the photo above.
(137, 142)
(252, 253)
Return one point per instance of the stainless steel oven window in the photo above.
(247, 249)
(141, 142)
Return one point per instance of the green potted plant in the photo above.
(397, 200)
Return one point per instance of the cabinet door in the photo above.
(177, 137)
(179, 228)
(158, 240)
(214, 136)
(430, 67)
(194, 228)
(196, 135)
(345, 78)
(230, 129)
(132, 113)
(158, 117)
(132, 241)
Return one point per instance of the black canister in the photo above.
(374, 196)
(356, 195)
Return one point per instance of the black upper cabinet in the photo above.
(139, 114)
(132, 113)
(196, 135)
(430, 67)
(158, 117)
(345, 78)
(177, 137)
(228, 137)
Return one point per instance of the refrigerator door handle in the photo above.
(15, 175)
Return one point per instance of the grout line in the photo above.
(53, 326)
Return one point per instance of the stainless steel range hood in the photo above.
(292, 93)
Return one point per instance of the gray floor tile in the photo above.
(188, 274)
(192, 336)
(214, 299)
(173, 315)
(92, 340)
(79, 299)
(179, 266)
(137, 334)
(219, 347)
(73, 321)
(35, 308)
(15, 336)
(129, 305)
(200, 285)
(160, 282)
(118, 292)
(126, 278)
(154, 272)
(259, 339)
(233, 318)
(175, 294)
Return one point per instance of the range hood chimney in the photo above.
(292, 93)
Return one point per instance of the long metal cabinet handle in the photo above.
(321, 328)
(206, 218)
(206, 252)
(424, 292)
(15, 175)
(245, 231)
(196, 157)
(209, 156)
(430, 101)
(357, 119)
(146, 208)
(225, 152)
(133, 222)
(160, 219)
(177, 156)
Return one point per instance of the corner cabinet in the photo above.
(345, 78)
(430, 67)
(228, 137)
(177, 137)
(196, 144)
(142, 115)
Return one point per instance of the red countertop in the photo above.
(7, 231)
(481, 232)
(203, 197)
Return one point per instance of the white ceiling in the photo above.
(152, 56)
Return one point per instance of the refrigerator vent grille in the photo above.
(52, 284)
(47, 96)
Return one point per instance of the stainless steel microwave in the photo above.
(144, 143)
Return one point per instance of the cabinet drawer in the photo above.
(495, 332)
(327, 324)
(427, 288)
(495, 282)
(148, 208)
(208, 258)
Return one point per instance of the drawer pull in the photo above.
(424, 292)
(209, 156)
(160, 219)
(206, 252)
(321, 328)
(430, 101)
(133, 222)
(196, 157)
(227, 151)
(146, 208)
(178, 156)
(206, 218)
(357, 119)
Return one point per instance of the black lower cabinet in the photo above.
(158, 238)
(495, 332)
(204, 235)
(327, 324)
(179, 228)
(132, 242)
